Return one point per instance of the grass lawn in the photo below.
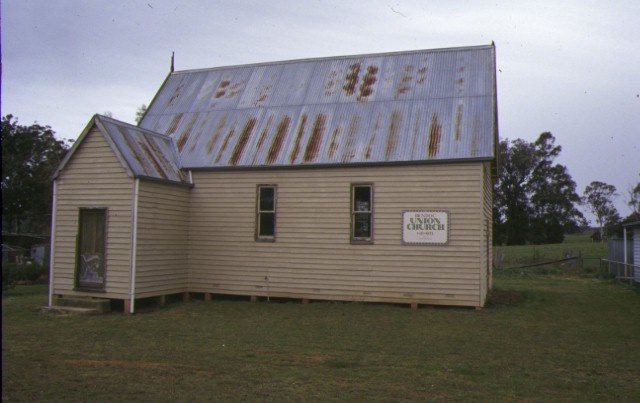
(544, 337)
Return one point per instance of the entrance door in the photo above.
(91, 249)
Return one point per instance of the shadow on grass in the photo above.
(499, 298)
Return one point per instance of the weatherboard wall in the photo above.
(93, 178)
(312, 256)
(162, 239)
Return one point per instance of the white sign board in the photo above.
(425, 227)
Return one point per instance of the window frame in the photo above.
(259, 212)
(78, 283)
(358, 239)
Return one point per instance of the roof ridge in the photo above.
(132, 126)
(340, 57)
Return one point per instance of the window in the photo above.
(266, 213)
(362, 213)
(90, 248)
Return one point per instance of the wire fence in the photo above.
(575, 259)
(621, 270)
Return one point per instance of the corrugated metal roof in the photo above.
(394, 107)
(147, 154)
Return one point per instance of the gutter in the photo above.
(337, 165)
(134, 246)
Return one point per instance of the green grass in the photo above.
(542, 338)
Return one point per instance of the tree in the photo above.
(30, 155)
(634, 198)
(510, 196)
(140, 112)
(535, 200)
(599, 197)
(554, 204)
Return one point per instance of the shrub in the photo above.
(34, 272)
(13, 273)
(9, 275)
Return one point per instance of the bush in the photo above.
(34, 272)
(13, 273)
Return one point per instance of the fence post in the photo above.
(580, 261)
(627, 273)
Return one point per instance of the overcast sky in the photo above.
(568, 67)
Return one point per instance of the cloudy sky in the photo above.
(568, 67)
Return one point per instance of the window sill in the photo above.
(89, 289)
(362, 242)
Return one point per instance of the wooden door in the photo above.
(90, 268)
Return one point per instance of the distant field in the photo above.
(560, 336)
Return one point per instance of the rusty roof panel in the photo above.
(394, 107)
(147, 154)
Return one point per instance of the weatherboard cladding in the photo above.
(395, 107)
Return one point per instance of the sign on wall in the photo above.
(425, 227)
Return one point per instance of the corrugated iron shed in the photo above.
(425, 105)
